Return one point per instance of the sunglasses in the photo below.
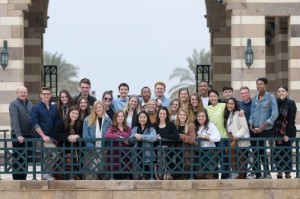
(107, 98)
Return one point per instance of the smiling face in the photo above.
(107, 100)
(194, 101)
(83, 104)
(175, 106)
(227, 94)
(282, 93)
(146, 94)
(64, 98)
(159, 90)
(261, 86)
(182, 117)
(99, 110)
(151, 106)
(22, 93)
(133, 103)
(74, 115)
(85, 89)
(142, 119)
(230, 105)
(162, 115)
(123, 91)
(213, 98)
(201, 118)
(120, 117)
(203, 88)
(184, 96)
(245, 95)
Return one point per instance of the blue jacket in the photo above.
(148, 138)
(90, 131)
(263, 111)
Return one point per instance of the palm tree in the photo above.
(187, 75)
(66, 72)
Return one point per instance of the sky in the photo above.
(134, 41)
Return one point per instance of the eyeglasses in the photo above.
(46, 94)
(107, 98)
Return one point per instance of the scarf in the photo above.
(98, 133)
(280, 124)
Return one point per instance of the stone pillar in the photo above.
(246, 24)
(11, 29)
(294, 62)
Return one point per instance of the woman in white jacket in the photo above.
(209, 134)
(237, 127)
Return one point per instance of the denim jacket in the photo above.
(148, 138)
(90, 131)
(263, 111)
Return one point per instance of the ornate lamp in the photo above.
(4, 55)
(249, 54)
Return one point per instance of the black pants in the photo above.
(260, 154)
(283, 156)
(21, 157)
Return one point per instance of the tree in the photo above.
(187, 75)
(66, 72)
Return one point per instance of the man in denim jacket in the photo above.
(264, 112)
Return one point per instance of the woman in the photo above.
(66, 132)
(173, 109)
(183, 96)
(118, 129)
(107, 98)
(166, 129)
(95, 126)
(131, 110)
(151, 108)
(195, 106)
(284, 129)
(145, 135)
(84, 108)
(63, 104)
(187, 135)
(209, 134)
(215, 113)
(237, 127)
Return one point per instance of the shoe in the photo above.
(259, 177)
(268, 176)
(234, 175)
(47, 177)
(279, 175)
(288, 176)
(250, 176)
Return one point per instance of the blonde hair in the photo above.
(186, 123)
(138, 107)
(147, 104)
(93, 116)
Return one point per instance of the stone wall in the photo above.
(189, 189)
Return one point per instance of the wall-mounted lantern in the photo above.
(4, 55)
(249, 54)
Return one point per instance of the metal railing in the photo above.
(154, 161)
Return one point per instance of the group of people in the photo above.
(147, 119)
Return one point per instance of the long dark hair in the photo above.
(197, 124)
(59, 104)
(167, 117)
(87, 110)
(67, 121)
(227, 113)
(148, 124)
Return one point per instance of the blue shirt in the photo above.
(246, 107)
(119, 103)
(165, 101)
(44, 118)
(262, 111)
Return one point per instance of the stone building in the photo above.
(230, 22)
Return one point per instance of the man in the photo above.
(204, 88)
(160, 89)
(21, 128)
(85, 88)
(120, 102)
(227, 92)
(146, 96)
(245, 103)
(264, 112)
(44, 118)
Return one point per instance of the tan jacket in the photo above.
(239, 127)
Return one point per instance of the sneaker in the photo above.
(234, 175)
(47, 177)
(250, 176)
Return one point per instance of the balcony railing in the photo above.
(146, 161)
